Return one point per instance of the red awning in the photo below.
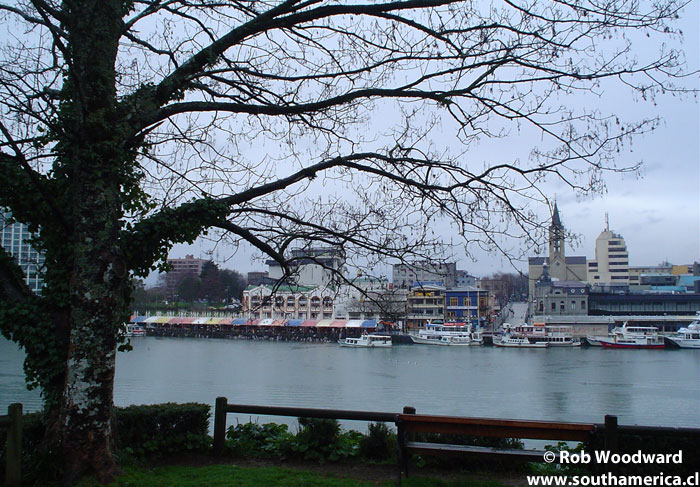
(309, 323)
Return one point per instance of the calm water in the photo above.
(649, 387)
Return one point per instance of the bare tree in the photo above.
(129, 126)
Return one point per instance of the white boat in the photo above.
(133, 330)
(634, 337)
(512, 341)
(366, 341)
(433, 334)
(687, 337)
(593, 341)
(554, 335)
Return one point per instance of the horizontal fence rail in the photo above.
(223, 407)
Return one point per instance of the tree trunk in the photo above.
(99, 282)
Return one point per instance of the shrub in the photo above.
(162, 429)
(321, 439)
(379, 444)
(252, 440)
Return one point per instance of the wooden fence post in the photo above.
(610, 433)
(220, 425)
(401, 439)
(13, 470)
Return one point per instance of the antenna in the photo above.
(607, 222)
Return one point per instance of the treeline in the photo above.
(212, 286)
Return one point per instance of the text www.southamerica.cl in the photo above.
(611, 479)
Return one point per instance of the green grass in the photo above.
(228, 475)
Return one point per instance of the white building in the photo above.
(310, 267)
(288, 302)
(610, 269)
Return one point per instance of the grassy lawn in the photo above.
(229, 475)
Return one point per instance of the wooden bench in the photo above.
(409, 424)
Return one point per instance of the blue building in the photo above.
(468, 305)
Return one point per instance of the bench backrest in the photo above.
(496, 428)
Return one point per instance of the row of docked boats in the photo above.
(627, 336)
(648, 337)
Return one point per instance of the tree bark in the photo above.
(99, 281)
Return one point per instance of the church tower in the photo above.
(556, 236)
(557, 253)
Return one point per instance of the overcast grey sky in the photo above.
(658, 214)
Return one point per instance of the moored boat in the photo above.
(511, 341)
(554, 335)
(633, 337)
(686, 337)
(133, 330)
(433, 334)
(366, 341)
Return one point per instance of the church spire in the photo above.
(555, 216)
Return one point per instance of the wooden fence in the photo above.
(408, 423)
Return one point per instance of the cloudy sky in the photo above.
(658, 214)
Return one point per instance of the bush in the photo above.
(379, 444)
(321, 439)
(251, 440)
(162, 429)
(140, 431)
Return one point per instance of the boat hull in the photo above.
(371, 345)
(632, 346)
(683, 343)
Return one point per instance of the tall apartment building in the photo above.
(14, 238)
(610, 268)
(180, 268)
(405, 276)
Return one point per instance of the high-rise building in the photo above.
(180, 268)
(610, 269)
(14, 238)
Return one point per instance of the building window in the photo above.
(562, 306)
(573, 305)
(454, 301)
(554, 306)
(583, 304)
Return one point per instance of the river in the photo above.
(646, 387)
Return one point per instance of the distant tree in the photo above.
(211, 284)
(234, 283)
(130, 126)
(189, 288)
